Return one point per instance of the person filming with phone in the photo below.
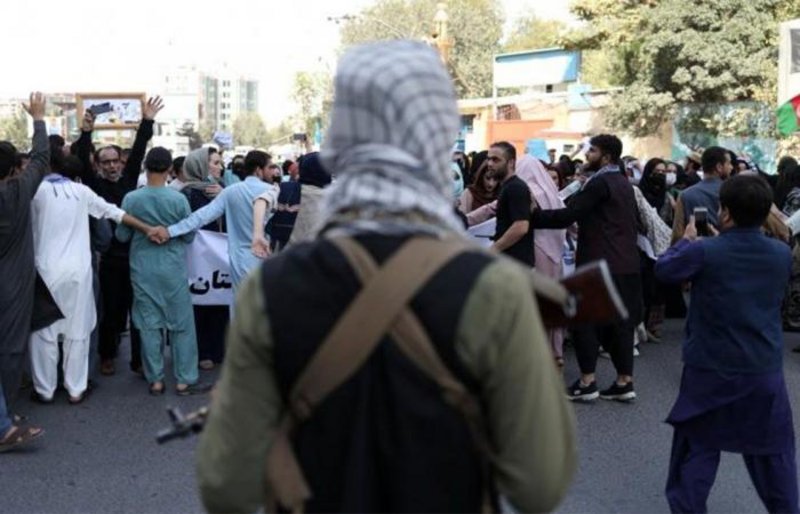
(732, 395)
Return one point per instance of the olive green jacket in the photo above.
(500, 340)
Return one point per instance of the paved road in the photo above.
(100, 457)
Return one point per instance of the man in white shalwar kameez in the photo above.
(60, 213)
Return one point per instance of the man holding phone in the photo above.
(704, 195)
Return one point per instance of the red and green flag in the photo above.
(788, 116)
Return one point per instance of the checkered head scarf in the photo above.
(392, 128)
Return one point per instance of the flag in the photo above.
(788, 116)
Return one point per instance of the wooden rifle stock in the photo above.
(588, 296)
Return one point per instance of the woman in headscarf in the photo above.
(210, 320)
(548, 245)
(482, 191)
(655, 189)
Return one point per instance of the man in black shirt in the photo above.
(514, 232)
(606, 213)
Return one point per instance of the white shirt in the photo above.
(60, 213)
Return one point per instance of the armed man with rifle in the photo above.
(389, 365)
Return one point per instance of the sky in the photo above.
(102, 45)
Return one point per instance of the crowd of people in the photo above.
(94, 243)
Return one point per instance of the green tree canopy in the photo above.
(15, 131)
(313, 94)
(475, 28)
(672, 52)
(249, 130)
(530, 32)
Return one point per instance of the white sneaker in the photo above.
(636, 350)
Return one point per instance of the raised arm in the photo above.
(683, 260)
(83, 149)
(39, 164)
(143, 135)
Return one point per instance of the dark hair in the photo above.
(786, 162)
(56, 154)
(652, 190)
(212, 151)
(788, 180)
(477, 161)
(255, 159)
(712, 156)
(566, 169)
(71, 167)
(508, 149)
(8, 156)
(609, 145)
(748, 199)
(56, 141)
(286, 165)
(177, 165)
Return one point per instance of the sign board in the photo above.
(789, 61)
(536, 68)
(208, 269)
(537, 148)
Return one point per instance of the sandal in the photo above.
(206, 365)
(16, 437)
(157, 388)
(197, 388)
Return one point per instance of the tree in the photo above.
(530, 33)
(475, 27)
(249, 130)
(15, 131)
(668, 53)
(313, 94)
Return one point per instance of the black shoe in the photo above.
(196, 388)
(41, 399)
(620, 393)
(579, 392)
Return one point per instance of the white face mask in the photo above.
(671, 179)
(701, 175)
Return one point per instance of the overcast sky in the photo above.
(102, 45)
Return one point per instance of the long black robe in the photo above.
(17, 271)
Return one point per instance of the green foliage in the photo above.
(249, 130)
(475, 28)
(531, 33)
(668, 53)
(15, 131)
(313, 94)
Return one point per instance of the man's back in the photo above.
(734, 322)
(239, 200)
(386, 440)
(703, 194)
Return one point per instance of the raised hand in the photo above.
(87, 125)
(260, 248)
(213, 190)
(691, 230)
(36, 105)
(152, 107)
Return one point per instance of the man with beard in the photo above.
(514, 232)
(605, 210)
(113, 182)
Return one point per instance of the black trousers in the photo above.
(616, 338)
(117, 300)
(210, 323)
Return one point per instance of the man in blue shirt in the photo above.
(236, 203)
(732, 396)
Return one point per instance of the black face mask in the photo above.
(658, 180)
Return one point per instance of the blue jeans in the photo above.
(5, 419)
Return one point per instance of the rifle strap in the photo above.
(347, 347)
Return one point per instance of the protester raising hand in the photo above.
(36, 105)
(87, 125)
(152, 107)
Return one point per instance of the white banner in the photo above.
(209, 270)
(483, 232)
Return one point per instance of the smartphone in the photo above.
(299, 137)
(701, 221)
(98, 109)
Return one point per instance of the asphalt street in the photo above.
(101, 456)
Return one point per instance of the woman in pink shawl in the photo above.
(548, 244)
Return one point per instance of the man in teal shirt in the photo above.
(236, 203)
(161, 299)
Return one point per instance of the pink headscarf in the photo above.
(546, 242)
